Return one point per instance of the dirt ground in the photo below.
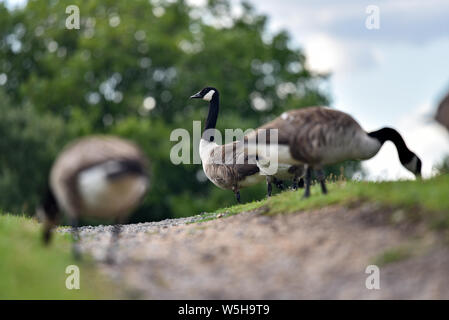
(320, 254)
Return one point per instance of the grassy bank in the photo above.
(420, 199)
(28, 270)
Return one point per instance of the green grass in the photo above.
(393, 255)
(28, 270)
(229, 211)
(420, 199)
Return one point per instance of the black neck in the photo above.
(211, 120)
(389, 134)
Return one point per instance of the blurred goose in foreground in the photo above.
(100, 177)
(228, 166)
(318, 136)
(442, 115)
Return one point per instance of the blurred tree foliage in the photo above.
(28, 148)
(129, 71)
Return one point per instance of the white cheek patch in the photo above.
(208, 96)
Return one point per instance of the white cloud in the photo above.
(402, 21)
(342, 26)
(323, 53)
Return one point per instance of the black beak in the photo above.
(196, 96)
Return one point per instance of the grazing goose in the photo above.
(102, 177)
(442, 115)
(318, 136)
(227, 166)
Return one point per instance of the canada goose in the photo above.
(220, 162)
(228, 166)
(102, 177)
(318, 136)
(442, 115)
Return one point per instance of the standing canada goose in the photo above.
(101, 177)
(319, 136)
(227, 166)
(442, 115)
(220, 162)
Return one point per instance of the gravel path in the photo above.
(315, 254)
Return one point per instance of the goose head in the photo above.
(413, 165)
(207, 94)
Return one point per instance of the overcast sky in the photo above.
(392, 76)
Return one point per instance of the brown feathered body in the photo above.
(319, 136)
(100, 176)
(227, 166)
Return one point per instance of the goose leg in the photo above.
(46, 237)
(269, 187)
(301, 183)
(322, 178)
(76, 238)
(237, 193)
(116, 229)
(279, 184)
(298, 183)
(308, 179)
(295, 183)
